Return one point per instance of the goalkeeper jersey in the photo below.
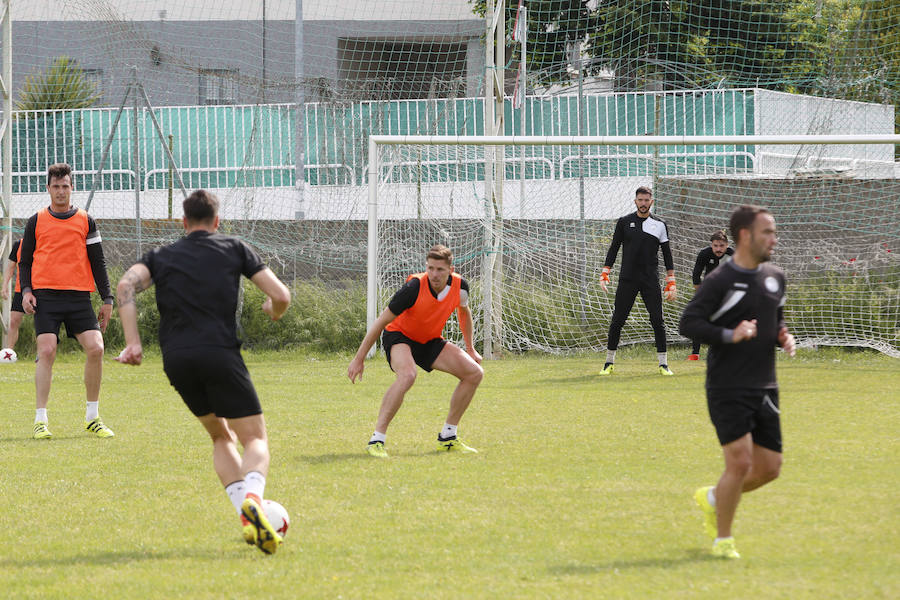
(729, 295)
(641, 240)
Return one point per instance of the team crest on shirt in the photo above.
(631, 224)
(771, 284)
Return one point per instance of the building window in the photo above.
(95, 77)
(378, 69)
(218, 86)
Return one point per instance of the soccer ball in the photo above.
(8, 355)
(277, 516)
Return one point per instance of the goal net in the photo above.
(532, 253)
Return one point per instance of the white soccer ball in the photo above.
(277, 516)
(8, 355)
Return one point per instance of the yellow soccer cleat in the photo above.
(41, 432)
(725, 548)
(664, 370)
(97, 427)
(257, 529)
(607, 369)
(454, 444)
(377, 450)
(709, 511)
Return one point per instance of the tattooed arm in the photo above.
(133, 282)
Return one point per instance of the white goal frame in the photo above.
(635, 140)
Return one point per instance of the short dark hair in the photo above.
(58, 171)
(743, 218)
(643, 190)
(201, 207)
(719, 235)
(440, 252)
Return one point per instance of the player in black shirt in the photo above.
(739, 312)
(707, 260)
(16, 311)
(641, 236)
(197, 281)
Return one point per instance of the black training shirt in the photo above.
(707, 261)
(15, 250)
(197, 281)
(641, 240)
(729, 295)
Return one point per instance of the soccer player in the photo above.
(197, 281)
(707, 260)
(61, 263)
(739, 312)
(16, 312)
(641, 236)
(412, 324)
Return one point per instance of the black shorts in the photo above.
(54, 310)
(212, 380)
(424, 354)
(737, 412)
(16, 305)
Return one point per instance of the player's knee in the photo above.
(406, 377)
(772, 468)
(739, 463)
(94, 350)
(475, 374)
(46, 352)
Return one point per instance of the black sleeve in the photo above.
(729, 251)
(98, 261)
(404, 297)
(698, 267)
(694, 322)
(667, 256)
(463, 285)
(14, 251)
(618, 235)
(28, 241)
(253, 264)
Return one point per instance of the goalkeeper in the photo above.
(708, 259)
(641, 236)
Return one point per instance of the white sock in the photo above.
(663, 358)
(377, 437)
(449, 431)
(610, 356)
(718, 539)
(92, 411)
(237, 491)
(40, 415)
(255, 484)
(711, 496)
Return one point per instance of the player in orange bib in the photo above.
(61, 264)
(412, 325)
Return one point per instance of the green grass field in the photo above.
(582, 488)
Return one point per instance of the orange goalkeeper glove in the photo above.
(669, 292)
(604, 278)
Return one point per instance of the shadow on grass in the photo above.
(113, 558)
(321, 459)
(694, 555)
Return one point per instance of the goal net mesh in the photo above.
(542, 245)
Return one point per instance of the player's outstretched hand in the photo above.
(745, 330)
(269, 310)
(355, 370)
(669, 292)
(786, 341)
(604, 279)
(131, 355)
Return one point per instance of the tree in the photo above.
(62, 86)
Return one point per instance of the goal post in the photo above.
(838, 226)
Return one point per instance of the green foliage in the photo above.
(582, 487)
(62, 86)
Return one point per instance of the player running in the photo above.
(197, 281)
(412, 324)
(707, 260)
(641, 236)
(60, 264)
(739, 312)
